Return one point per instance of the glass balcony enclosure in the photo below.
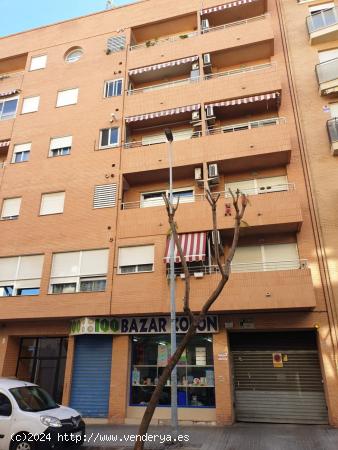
(322, 19)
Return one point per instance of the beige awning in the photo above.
(226, 6)
(243, 100)
(167, 112)
(177, 62)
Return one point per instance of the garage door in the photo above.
(91, 375)
(277, 378)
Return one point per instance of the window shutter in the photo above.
(30, 104)
(334, 109)
(8, 268)
(22, 147)
(11, 207)
(94, 262)
(133, 256)
(66, 264)
(105, 196)
(52, 203)
(30, 267)
(327, 55)
(247, 254)
(245, 186)
(154, 139)
(116, 44)
(281, 252)
(68, 97)
(61, 142)
(38, 62)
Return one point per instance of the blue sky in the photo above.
(21, 15)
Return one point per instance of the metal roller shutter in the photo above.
(91, 375)
(289, 393)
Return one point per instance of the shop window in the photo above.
(109, 137)
(195, 371)
(136, 259)
(113, 88)
(21, 152)
(20, 275)
(8, 108)
(84, 271)
(60, 146)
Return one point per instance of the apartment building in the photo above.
(84, 307)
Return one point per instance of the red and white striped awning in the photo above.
(240, 101)
(167, 112)
(226, 6)
(193, 247)
(4, 143)
(177, 62)
(9, 93)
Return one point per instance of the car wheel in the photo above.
(22, 442)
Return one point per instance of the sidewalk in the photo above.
(238, 437)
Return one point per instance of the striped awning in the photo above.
(177, 62)
(240, 101)
(193, 247)
(226, 6)
(4, 143)
(167, 112)
(9, 93)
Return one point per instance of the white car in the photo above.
(31, 420)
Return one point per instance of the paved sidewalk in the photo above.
(238, 437)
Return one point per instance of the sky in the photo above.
(21, 15)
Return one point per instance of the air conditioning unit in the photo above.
(205, 24)
(195, 115)
(213, 170)
(198, 173)
(198, 274)
(207, 59)
(195, 66)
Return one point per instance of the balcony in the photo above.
(327, 76)
(323, 26)
(332, 129)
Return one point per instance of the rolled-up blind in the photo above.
(8, 268)
(61, 142)
(94, 262)
(22, 147)
(11, 207)
(30, 267)
(68, 97)
(52, 203)
(133, 256)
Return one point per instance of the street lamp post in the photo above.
(174, 415)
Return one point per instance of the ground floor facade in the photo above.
(278, 368)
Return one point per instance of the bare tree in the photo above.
(240, 202)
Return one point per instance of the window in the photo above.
(20, 275)
(83, 271)
(67, 97)
(113, 88)
(8, 108)
(105, 196)
(38, 62)
(257, 258)
(136, 259)
(259, 185)
(116, 44)
(5, 406)
(109, 137)
(321, 7)
(30, 104)
(149, 199)
(73, 55)
(195, 371)
(60, 146)
(327, 55)
(52, 203)
(179, 135)
(21, 153)
(11, 208)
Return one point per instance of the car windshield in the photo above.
(33, 399)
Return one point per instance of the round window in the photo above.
(73, 55)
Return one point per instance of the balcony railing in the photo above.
(200, 197)
(247, 125)
(234, 24)
(199, 272)
(327, 71)
(322, 19)
(11, 75)
(230, 73)
(169, 84)
(159, 41)
(177, 136)
(332, 128)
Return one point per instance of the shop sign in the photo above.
(139, 325)
(247, 324)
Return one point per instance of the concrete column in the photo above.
(119, 382)
(223, 379)
(9, 353)
(68, 371)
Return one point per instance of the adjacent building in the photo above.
(84, 295)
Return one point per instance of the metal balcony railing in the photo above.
(332, 128)
(247, 125)
(234, 24)
(168, 84)
(327, 71)
(230, 73)
(159, 41)
(177, 136)
(11, 75)
(322, 19)
(261, 266)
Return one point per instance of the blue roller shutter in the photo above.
(91, 375)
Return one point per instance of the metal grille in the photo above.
(116, 44)
(105, 196)
(292, 393)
